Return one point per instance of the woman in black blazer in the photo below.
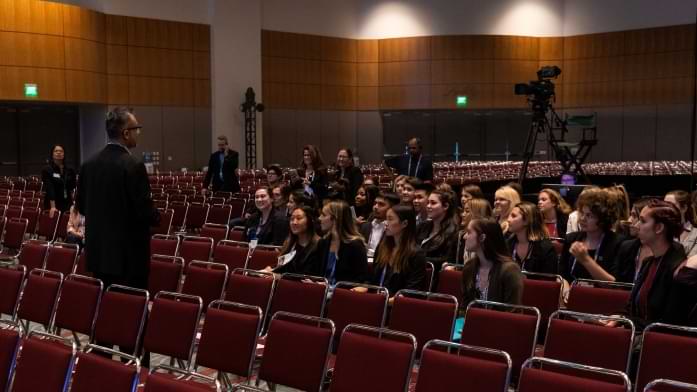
(341, 254)
(59, 182)
(399, 262)
(267, 226)
(345, 169)
(299, 252)
(312, 174)
(529, 245)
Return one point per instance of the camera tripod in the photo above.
(570, 155)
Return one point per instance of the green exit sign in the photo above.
(31, 90)
(461, 101)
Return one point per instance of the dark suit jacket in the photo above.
(230, 182)
(542, 257)
(606, 258)
(505, 283)
(273, 233)
(625, 265)
(442, 248)
(355, 178)
(319, 184)
(59, 189)
(401, 165)
(411, 278)
(303, 262)
(114, 197)
(352, 263)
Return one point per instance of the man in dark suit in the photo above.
(114, 197)
(415, 164)
(222, 168)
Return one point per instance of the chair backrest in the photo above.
(172, 324)
(40, 296)
(544, 292)
(14, 210)
(161, 244)
(33, 254)
(44, 363)
(450, 280)
(121, 318)
(10, 337)
(196, 216)
(165, 225)
(31, 214)
(234, 254)
(427, 283)
(350, 307)
(591, 296)
(92, 371)
(437, 313)
(47, 225)
(229, 338)
(289, 334)
(535, 379)
(81, 266)
(301, 294)
(78, 303)
(373, 359)
(663, 385)
(15, 229)
(215, 231)
(180, 209)
(195, 248)
(62, 229)
(219, 214)
(603, 347)
(237, 233)
(11, 280)
(179, 380)
(447, 366)
(263, 256)
(251, 288)
(237, 207)
(482, 327)
(668, 351)
(165, 273)
(206, 280)
(62, 258)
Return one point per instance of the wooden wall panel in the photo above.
(31, 50)
(176, 92)
(462, 71)
(338, 73)
(367, 51)
(404, 49)
(85, 55)
(551, 48)
(202, 93)
(461, 47)
(367, 74)
(660, 39)
(202, 65)
(116, 29)
(479, 95)
(516, 48)
(201, 38)
(82, 86)
(338, 98)
(51, 83)
(144, 91)
(117, 90)
(338, 49)
(367, 98)
(117, 59)
(83, 23)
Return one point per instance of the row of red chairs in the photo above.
(190, 217)
(31, 223)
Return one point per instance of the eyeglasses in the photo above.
(136, 128)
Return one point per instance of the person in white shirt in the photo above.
(373, 229)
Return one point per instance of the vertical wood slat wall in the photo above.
(78, 55)
(638, 67)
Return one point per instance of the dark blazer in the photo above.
(505, 283)
(442, 247)
(352, 263)
(304, 262)
(319, 183)
(355, 178)
(411, 278)
(230, 182)
(542, 257)
(665, 300)
(562, 221)
(606, 258)
(114, 197)
(274, 232)
(625, 265)
(401, 165)
(59, 186)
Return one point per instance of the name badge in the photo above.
(56, 175)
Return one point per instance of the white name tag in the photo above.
(56, 175)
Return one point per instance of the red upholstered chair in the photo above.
(15, 228)
(301, 294)
(81, 267)
(11, 280)
(10, 337)
(161, 244)
(121, 318)
(215, 231)
(251, 288)
(234, 254)
(263, 256)
(62, 229)
(165, 273)
(373, 359)
(31, 214)
(599, 297)
(78, 302)
(195, 248)
(165, 225)
(425, 315)
(33, 254)
(160, 205)
(668, 351)
(427, 283)
(196, 216)
(206, 280)
(482, 327)
(172, 324)
(14, 210)
(534, 378)
(91, 371)
(447, 366)
(350, 307)
(178, 380)
(62, 258)
(288, 335)
(237, 207)
(215, 200)
(450, 280)
(237, 233)
(44, 363)
(229, 338)
(179, 209)
(47, 226)
(219, 214)
(544, 292)
(663, 385)
(31, 202)
(39, 297)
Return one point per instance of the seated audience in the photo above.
(555, 212)
(364, 200)
(619, 199)
(438, 235)
(274, 174)
(299, 252)
(298, 198)
(408, 189)
(688, 238)
(399, 184)
(420, 202)
(345, 169)
(76, 228)
(469, 192)
(572, 222)
(529, 244)
(373, 230)
(267, 225)
(473, 209)
(341, 252)
(312, 175)
(280, 195)
(505, 199)
(632, 253)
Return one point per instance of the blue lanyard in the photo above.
(595, 258)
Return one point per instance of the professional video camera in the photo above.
(540, 90)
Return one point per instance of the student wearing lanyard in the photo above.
(529, 244)
(399, 262)
(341, 252)
(312, 175)
(415, 164)
(267, 226)
(298, 254)
(591, 252)
(632, 253)
(491, 275)
(438, 235)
